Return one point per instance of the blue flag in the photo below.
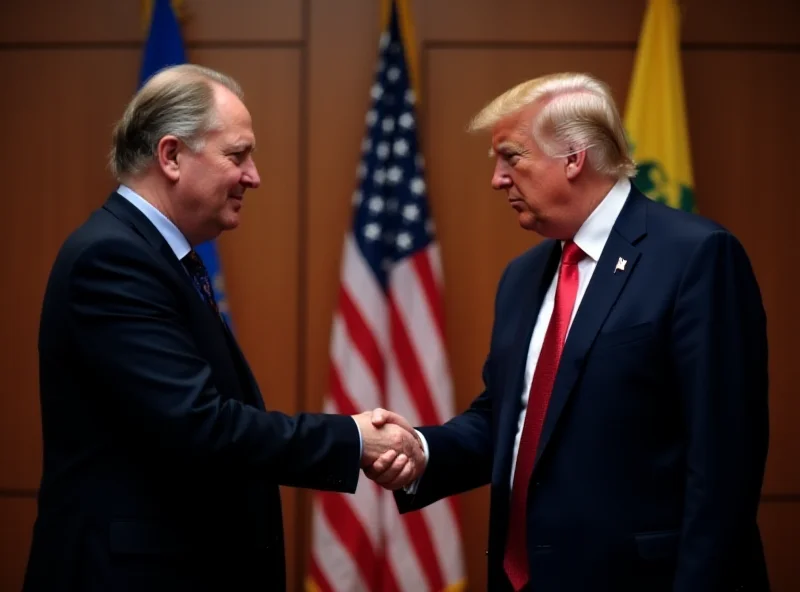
(164, 47)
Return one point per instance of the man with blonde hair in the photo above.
(623, 426)
(161, 465)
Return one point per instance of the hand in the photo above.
(392, 454)
(385, 470)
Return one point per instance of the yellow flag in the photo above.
(655, 119)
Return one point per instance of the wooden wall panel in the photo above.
(51, 21)
(742, 130)
(260, 258)
(522, 21)
(516, 21)
(243, 21)
(58, 114)
(54, 21)
(780, 529)
(343, 46)
(17, 516)
(479, 232)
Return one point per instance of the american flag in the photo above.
(387, 349)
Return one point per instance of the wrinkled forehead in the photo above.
(512, 133)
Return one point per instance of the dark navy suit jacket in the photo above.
(161, 466)
(651, 461)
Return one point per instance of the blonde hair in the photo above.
(578, 113)
(177, 101)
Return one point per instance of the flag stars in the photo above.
(372, 117)
(376, 92)
(376, 204)
(411, 212)
(379, 176)
(395, 175)
(366, 145)
(388, 125)
(393, 74)
(383, 150)
(400, 147)
(410, 97)
(361, 170)
(404, 241)
(372, 231)
(417, 186)
(406, 121)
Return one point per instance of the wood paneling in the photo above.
(260, 258)
(742, 129)
(51, 21)
(17, 516)
(243, 20)
(340, 69)
(780, 529)
(522, 21)
(57, 118)
(86, 21)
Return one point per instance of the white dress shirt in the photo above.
(175, 239)
(590, 238)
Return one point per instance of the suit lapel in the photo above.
(532, 295)
(601, 294)
(217, 337)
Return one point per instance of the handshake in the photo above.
(392, 452)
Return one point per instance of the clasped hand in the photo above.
(392, 453)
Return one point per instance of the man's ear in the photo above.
(574, 164)
(167, 154)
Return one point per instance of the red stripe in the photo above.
(361, 337)
(422, 266)
(341, 401)
(409, 367)
(346, 524)
(318, 576)
(423, 547)
(389, 580)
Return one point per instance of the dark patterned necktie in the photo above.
(197, 270)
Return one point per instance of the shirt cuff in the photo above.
(411, 488)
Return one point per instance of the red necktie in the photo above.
(515, 561)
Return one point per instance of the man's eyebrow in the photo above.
(505, 147)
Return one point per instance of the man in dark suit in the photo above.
(623, 426)
(161, 466)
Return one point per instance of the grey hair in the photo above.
(177, 101)
(578, 113)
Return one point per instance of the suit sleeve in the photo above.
(160, 387)
(720, 356)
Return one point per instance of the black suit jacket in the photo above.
(161, 465)
(652, 453)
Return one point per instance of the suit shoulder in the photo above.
(675, 224)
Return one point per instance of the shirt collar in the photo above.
(175, 239)
(594, 232)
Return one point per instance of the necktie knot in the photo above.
(197, 270)
(572, 254)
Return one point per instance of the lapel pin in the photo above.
(620, 265)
